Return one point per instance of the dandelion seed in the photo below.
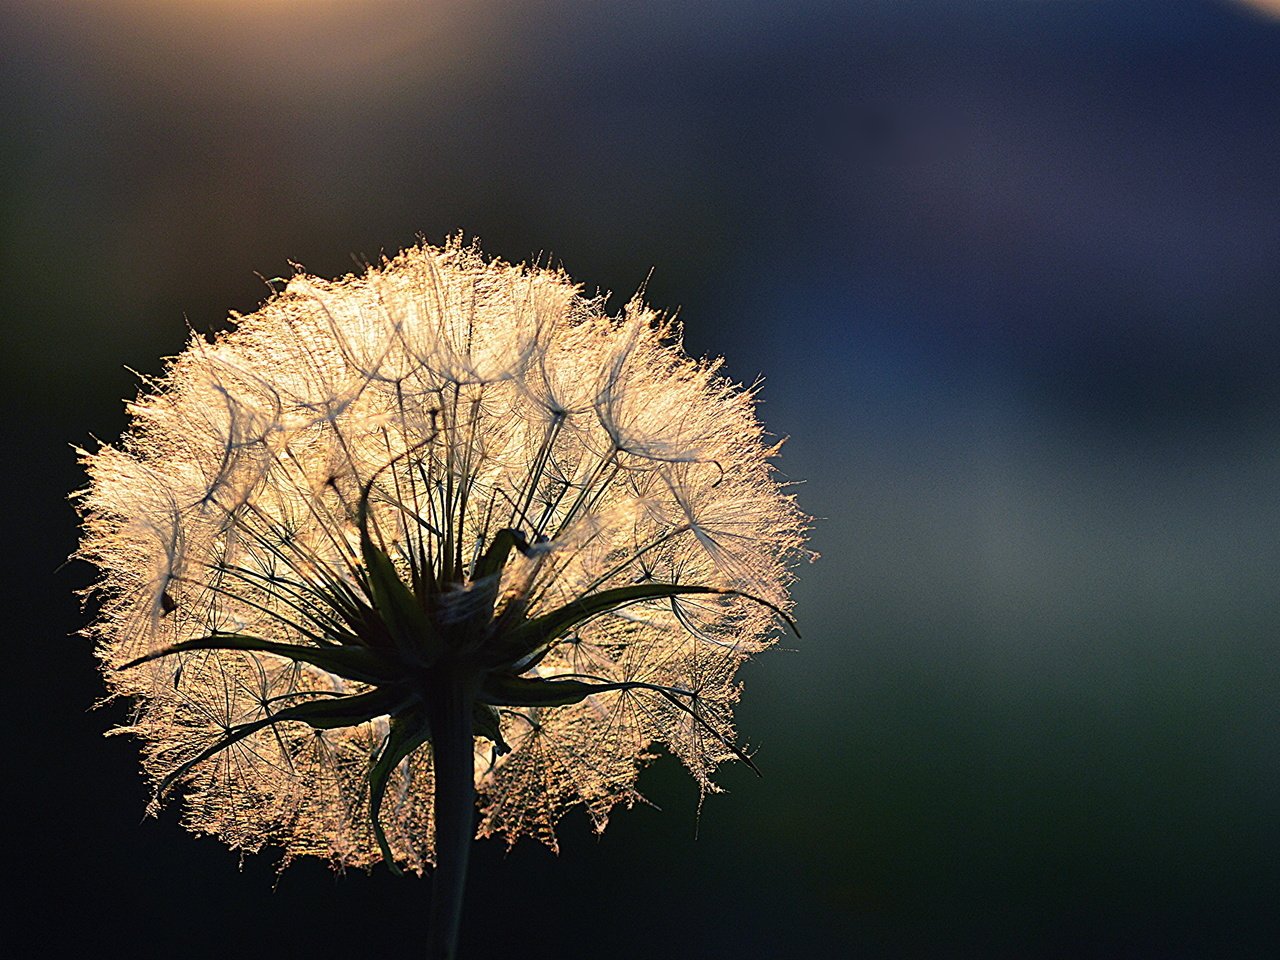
(438, 536)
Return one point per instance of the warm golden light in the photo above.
(1269, 7)
(292, 48)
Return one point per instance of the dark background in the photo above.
(1011, 272)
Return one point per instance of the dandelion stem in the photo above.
(452, 746)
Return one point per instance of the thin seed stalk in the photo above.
(453, 746)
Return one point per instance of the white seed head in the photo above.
(455, 397)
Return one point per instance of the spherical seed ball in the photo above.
(430, 404)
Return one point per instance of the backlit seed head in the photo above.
(448, 462)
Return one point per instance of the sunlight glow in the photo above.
(308, 48)
(1269, 7)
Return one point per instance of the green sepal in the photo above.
(487, 723)
(411, 629)
(348, 661)
(486, 578)
(351, 710)
(323, 714)
(495, 558)
(408, 732)
(509, 691)
(504, 690)
(533, 636)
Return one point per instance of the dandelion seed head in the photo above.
(517, 456)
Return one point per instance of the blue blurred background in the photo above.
(1011, 270)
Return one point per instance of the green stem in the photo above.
(452, 745)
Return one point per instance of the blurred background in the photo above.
(1011, 270)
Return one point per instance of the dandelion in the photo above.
(438, 537)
